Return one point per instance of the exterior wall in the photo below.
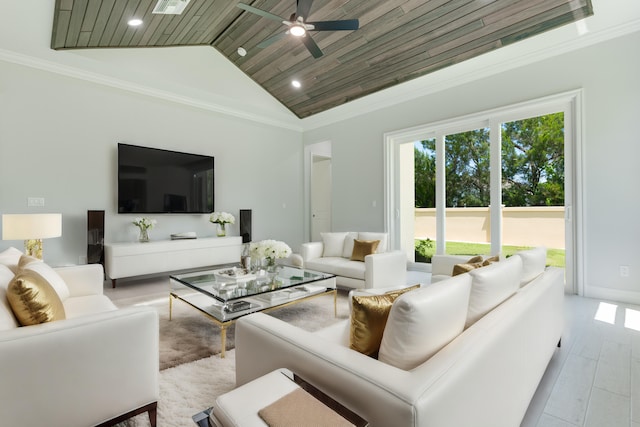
(521, 226)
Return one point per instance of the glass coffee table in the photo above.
(229, 292)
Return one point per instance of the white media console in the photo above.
(137, 259)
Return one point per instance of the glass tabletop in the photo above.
(233, 282)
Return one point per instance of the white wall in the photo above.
(608, 72)
(58, 139)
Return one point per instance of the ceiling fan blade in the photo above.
(347, 24)
(312, 46)
(260, 12)
(271, 40)
(304, 7)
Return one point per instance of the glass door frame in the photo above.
(396, 148)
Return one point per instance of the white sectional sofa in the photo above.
(466, 351)
(333, 254)
(97, 366)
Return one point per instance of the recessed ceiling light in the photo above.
(135, 22)
(296, 84)
(242, 51)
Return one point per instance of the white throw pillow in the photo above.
(422, 322)
(382, 246)
(347, 250)
(534, 262)
(491, 285)
(7, 319)
(50, 276)
(10, 257)
(333, 244)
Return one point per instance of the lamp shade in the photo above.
(31, 226)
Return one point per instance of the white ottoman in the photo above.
(240, 407)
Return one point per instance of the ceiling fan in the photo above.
(298, 26)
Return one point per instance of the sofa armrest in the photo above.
(385, 269)
(86, 279)
(311, 250)
(423, 267)
(374, 390)
(293, 260)
(81, 371)
(442, 265)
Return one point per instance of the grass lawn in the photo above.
(555, 257)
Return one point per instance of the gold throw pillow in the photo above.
(369, 315)
(491, 260)
(33, 300)
(362, 248)
(473, 263)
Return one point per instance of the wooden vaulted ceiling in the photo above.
(398, 40)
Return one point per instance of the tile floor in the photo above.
(593, 380)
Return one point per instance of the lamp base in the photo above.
(33, 247)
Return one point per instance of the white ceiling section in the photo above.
(203, 78)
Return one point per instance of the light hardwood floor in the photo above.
(593, 380)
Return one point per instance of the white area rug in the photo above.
(191, 377)
(188, 389)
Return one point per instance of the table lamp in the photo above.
(31, 228)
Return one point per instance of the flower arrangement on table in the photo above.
(144, 224)
(270, 250)
(222, 219)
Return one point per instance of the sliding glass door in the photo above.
(493, 185)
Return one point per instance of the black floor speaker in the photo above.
(245, 225)
(95, 237)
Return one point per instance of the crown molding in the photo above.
(77, 73)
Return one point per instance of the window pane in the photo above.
(533, 185)
(467, 170)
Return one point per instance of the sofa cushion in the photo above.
(383, 246)
(471, 264)
(338, 266)
(7, 319)
(332, 244)
(368, 318)
(347, 250)
(424, 321)
(492, 285)
(49, 275)
(534, 262)
(362, 248)
(10, 257)
(33, 300)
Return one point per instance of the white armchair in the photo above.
(98, 366)
(333, 255)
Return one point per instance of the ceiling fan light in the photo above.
(297, 30)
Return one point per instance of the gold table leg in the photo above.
(223, 340)
(170, 306)
(335, 303)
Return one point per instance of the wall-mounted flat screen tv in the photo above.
(151, 180)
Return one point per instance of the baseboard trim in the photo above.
(598, 292)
